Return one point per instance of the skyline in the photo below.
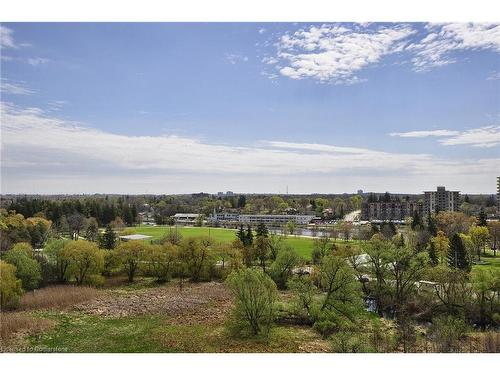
(247, 107)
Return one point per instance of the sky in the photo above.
(164, 108)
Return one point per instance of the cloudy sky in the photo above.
(175, 108)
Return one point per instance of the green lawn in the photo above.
(302, 245)
(493, 263)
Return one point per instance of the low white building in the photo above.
(186, 219)
(276, 219)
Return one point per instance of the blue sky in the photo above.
(173, 108)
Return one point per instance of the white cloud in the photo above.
(334, 54)
(6, 38)
(15, 88)
(425, 133)
(493, 76)
(35, 61)
(436, 49)
(51, 152)
(235, 58)
(486, 136)
(262, 30)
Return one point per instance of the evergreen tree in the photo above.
(241, 235)
(242, 201)
(481, 219)
(432, 253)
(431, 225)
(249, 236)
(108, 239)
(416, 220)
(457, 255)
(262, 230)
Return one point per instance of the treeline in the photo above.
(104, 210)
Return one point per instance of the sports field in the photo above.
(302, 245)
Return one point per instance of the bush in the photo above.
(28, 270)
(446, 333)
(281, 269)
(197, 257)
(10, 286)
(162, 261)
(13, 323)
(255, 294)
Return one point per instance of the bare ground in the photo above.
(202, 301)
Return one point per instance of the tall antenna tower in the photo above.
(286, 189)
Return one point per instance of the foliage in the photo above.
(255, 295)
(479, 236)
(162, 260)
(457, 254)
(281, 269)
(129, 255)
(486, 285)
(28, 270)
(54, 252)
(10, 286)
(321, 247)
(198, 257)
(85, 260)
(446, 332)
(108, 239)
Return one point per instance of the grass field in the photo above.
(302, 245)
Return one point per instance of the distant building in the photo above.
(255, 219)
(275, 219)
(441, 200)
(498, 195)
(135, 237)
(360, 192)
(229, 194)
(185, 219)
(388, 211)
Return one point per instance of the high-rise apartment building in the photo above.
(441, 200)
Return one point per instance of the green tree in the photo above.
(481, 219)
(108, 239)
(92, 231)
(130, 254)
(54, 252)
(486, 285)
(479, 236)
(249, 236)
(291, 226)
(275, 245)
(162, 260)
(262, 230)
(198, 257)
(261, 250)
(441, 244)
(85, 260)
(10, 287)
(281, 268)
(28, 270)
(255, 295)
(322, 246)
(457, 254)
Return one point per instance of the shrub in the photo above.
(28, 270)
(255, 294)
(10, 286)
(54, 252)
(197, 257)
(12, 323)
(281, 268)
(58, 296)
(446, 333)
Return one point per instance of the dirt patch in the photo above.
(201, 302)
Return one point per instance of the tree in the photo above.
(249, 236)
(199, 221)
(291, 226)
(441, 244)
(28, 270)
(416, 222)
(481, 219)
(108, 239)
(172, 236)
(129, 255)
(346, 229)
(453, 222)
(281, 268)
(54, 252)
(486, 285)
(261, 250)
(446, 333)
(431, 225)
(255, 295)
(457, 254)
(451, 288)
(275, 243)
(84, 258)
(162, 259)
(433, 257)
(117, 223)
(198, 257)
(76, 223)
(92, 232)
(241, 235)
(262, 230)
(10, 287)
(388, 229)
(342, 300)
(322, 246)
(494, 229)
(479, 237)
